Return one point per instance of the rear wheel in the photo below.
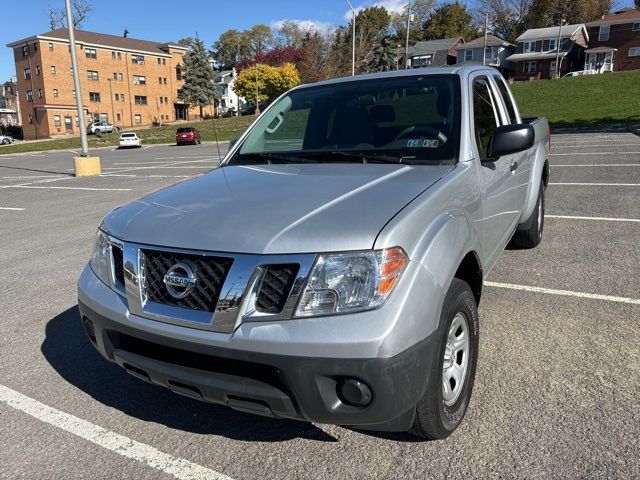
(529, 233)
(452, 374)
(5, 141)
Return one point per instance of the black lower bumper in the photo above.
(282, 386)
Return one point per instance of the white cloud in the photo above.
(392, 6)
(308, 25)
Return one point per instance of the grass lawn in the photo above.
(227, 128)
(582, 101)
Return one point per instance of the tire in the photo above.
(438, 415)
(179, 144)
(5, 141)
(529, 233)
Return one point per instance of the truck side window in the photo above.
(504, 93)
(484, 114)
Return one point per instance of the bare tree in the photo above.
(506, 17)
(80, 11)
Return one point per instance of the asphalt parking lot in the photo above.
(557, 390)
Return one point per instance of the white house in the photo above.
(229, 100)
(495, 53)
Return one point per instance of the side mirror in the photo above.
(232, 142)
(510, 139)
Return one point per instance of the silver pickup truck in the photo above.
(330, 269)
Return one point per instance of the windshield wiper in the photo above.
(364, 157)
(269, 158)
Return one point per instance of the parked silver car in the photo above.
(330, 270)
(6, 139)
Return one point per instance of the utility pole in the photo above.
(406, 46)
(484, 49)
(557, 48)
(76, 82)
(353, 38)
(257, 93)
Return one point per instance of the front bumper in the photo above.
(280, 386)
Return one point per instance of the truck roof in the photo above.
(461, 70)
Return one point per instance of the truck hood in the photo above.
(274, 209)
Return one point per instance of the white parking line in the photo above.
(599, 165)
(556, 145)
(71, 188)
(597, 184)
(604, 219)
(125, 446)
(12, 209)
(593, 153)
(143, 176)
(566, 293)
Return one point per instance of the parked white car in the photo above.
(129, 139)
(580, 73)
(6, 140)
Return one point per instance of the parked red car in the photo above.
(187, 135)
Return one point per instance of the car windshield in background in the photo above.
(410, 119)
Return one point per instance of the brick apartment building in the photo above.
(615, 42)
(125, 81)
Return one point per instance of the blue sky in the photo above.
(163, 20)
(171, 20)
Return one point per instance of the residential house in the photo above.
(125, 81)
(432, 53)
(229, 100)
(9, 105)
(537, 51)
(493, 50)
(615, 42)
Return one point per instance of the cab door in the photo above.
(501, 204)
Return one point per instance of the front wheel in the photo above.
(453, 370)
(5, 141)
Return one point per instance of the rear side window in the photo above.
(484, 114)
(504, 92)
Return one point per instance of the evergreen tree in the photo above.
(450, 20)
(197, 73)
(383, 58)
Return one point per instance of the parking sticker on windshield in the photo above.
(422, 143)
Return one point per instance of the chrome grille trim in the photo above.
(236, 301)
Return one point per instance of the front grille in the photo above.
(211, 272)
(275, 287)
(118, 264)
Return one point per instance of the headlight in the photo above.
(101, 256)
(351, 282)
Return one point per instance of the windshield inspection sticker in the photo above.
(422, 143)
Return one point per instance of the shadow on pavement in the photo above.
(71, 354)
(36, 170)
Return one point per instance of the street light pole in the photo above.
(113, 115)
(257, 93)
(76, 82)
(406, 47)
(353, 38)
(558, 48)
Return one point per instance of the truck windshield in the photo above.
(404, 119)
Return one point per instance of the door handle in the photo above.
(514, 166)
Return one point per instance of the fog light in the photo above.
(354, 392)
(88, 327)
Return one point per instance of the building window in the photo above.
(35, 47)
(94, 96)
(139, 80)
(55, 93)
(161, 100)
(53, 69)
(29, 95)
(160, 80)
(118, 117)
(159, 61)
(37, 69)
(528, 47)
(140, 100)
(165, 100)
(529, 67)
(178, 72)
(164, 80)
(634, 52)
(39, 93)
(30, 118)
(113, 55)
(137, 59)
(603, 34)
(115, 76)
(56, 121)
(90, 53)
(553, 43)
(27, 73)
(552, 67)
(119, 77)
(92, 75)
(137, 119)
(50, 47)
(468, 55)
(488, 54)
(635, 27)
(25, 51)
(164, 61)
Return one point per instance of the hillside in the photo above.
(580, 101)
